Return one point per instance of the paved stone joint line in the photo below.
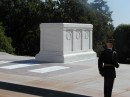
(48, 69)
(4, 62)
(17, 66)
(39, 70)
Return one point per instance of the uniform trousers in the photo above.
(108, 86)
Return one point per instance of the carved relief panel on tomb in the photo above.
(77, 44)
(68, 40)
(76, 40)
(85, 40)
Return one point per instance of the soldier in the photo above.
(106, 64)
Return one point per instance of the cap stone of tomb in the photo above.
(65, 42)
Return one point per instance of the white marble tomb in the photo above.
(65, 42)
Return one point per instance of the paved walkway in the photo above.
(24, 74)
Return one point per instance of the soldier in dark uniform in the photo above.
(106, 63)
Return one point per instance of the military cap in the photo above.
(110, 40)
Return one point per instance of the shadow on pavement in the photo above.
(29, 61)
(37, 91)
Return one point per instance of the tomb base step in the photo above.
(74, 57)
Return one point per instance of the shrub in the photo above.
(5, 42)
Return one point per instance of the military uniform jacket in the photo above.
(108, 56)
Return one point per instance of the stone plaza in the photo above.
(80, 79)
(66, 66)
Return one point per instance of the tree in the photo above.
(21, 19)
(122, 41)
(21, 23)
(103, 26)
(5, 42)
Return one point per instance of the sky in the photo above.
(121, 11)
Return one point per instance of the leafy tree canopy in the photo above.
(122, 41)
(21, 19)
